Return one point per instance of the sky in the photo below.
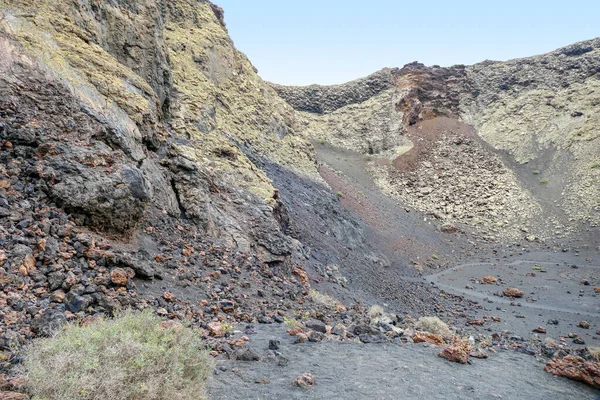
(333, 41)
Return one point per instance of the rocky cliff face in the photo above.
(132, 140)
(166, 104)
(528, 170)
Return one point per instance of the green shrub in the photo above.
(130, 357)
(340, 194)
(544, 180)
(536, 172)
(595, 164)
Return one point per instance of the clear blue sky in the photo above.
(298, 42)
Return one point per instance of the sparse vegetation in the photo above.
(434, 256)
(340, 194)
(433, 325)
(536, 172)
(292, 322)
(544, 181)
(322, 298)
(375, 311)
(595, 164)
(132, 356)
(537, 267)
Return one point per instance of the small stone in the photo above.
(426, 337)
(264, 320)
(478, 353)
(578, 340)
(478, 322)
(458, 351)
(58, 296)
(216, 329)
(315, 336)
(246, 355)
(540, 329)
(552, 322)
(316, 325)
(489, 279)
(583, 324)
(274, 344)
(301, 338)
(373, 338)
(513, 292)
(228, 306)
(448, 228)
(304, 381)
(161, 311)
(118, 276)
(168, 296)
(282, 361)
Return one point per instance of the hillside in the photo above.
(525, 149)
(145, 164)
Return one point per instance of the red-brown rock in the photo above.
(576, 368)
(304, 381)
(458, 351)
(426, 337)
(118, 276)
(513, 292)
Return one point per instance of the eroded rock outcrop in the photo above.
(146, 104)
(526, 171)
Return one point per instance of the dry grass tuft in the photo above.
(322, 298)
(433, 325)
(595, 352)
(130, 357)
(376, 311)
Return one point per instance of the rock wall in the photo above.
(147, 106)
(537, 117)
(129, 134)
(543, 111)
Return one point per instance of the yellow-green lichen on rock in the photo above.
(109, 89)
(221, 104)
(217, 102)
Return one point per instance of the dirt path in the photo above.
(349, 370)
(563, 292)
